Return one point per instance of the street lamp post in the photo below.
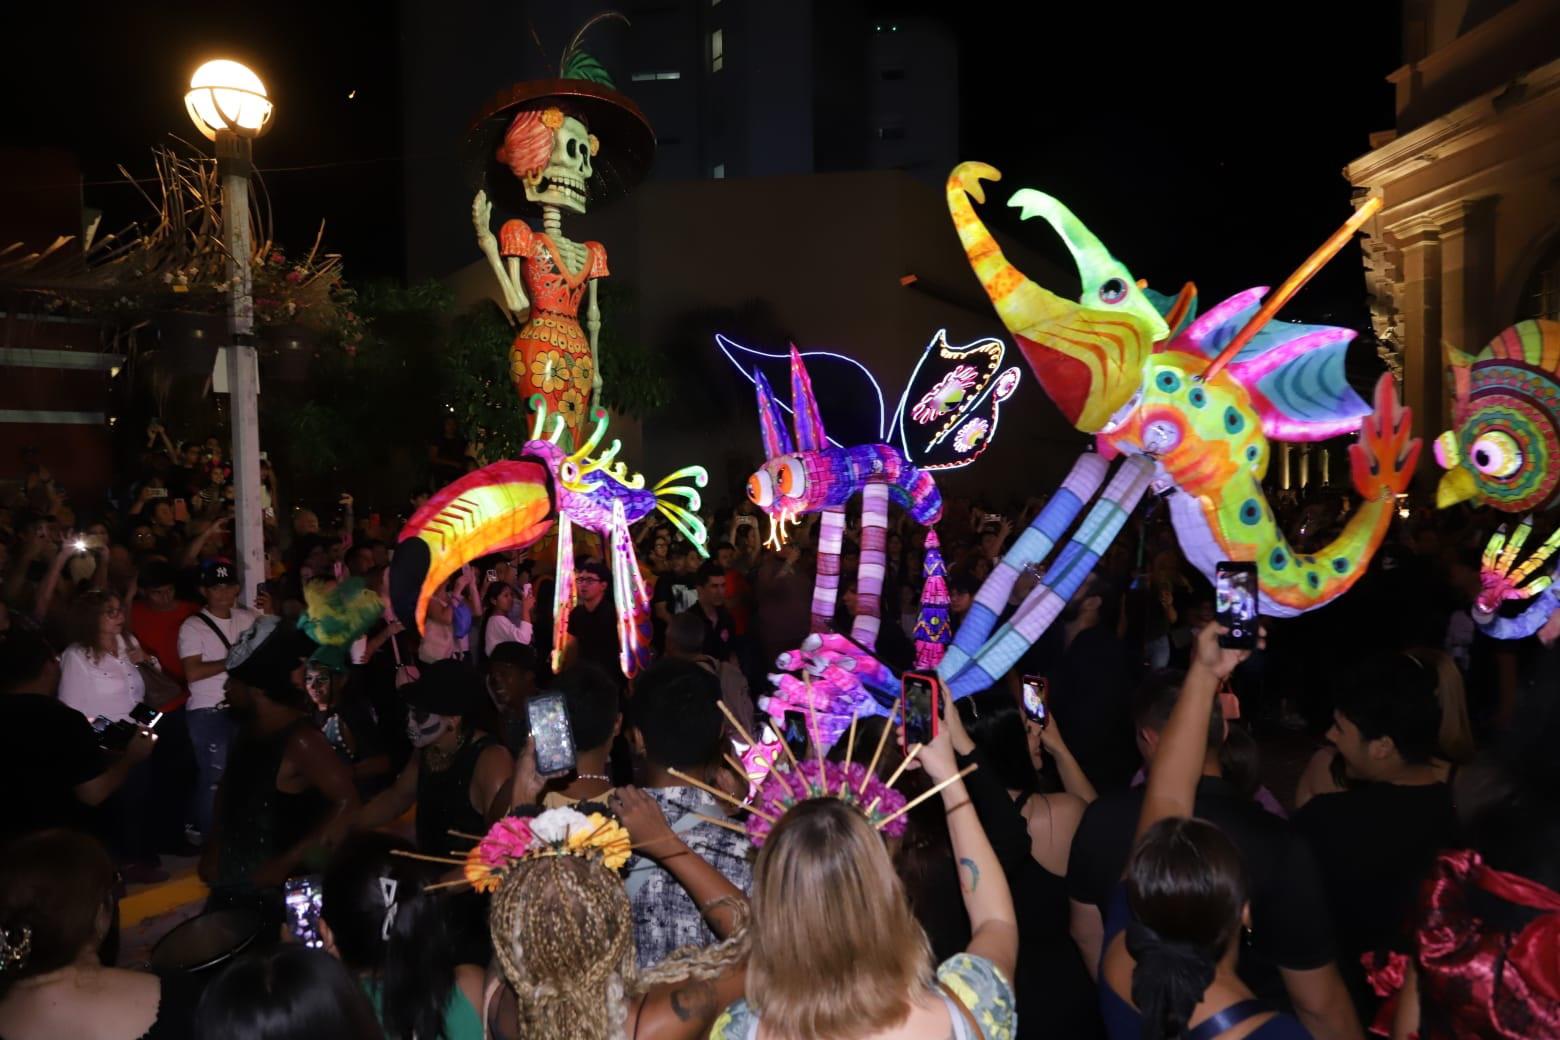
(228, 104)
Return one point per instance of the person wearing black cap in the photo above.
(204, 642)
(593, 633)
(286, 798)
(457, 769)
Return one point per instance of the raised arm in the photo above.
(1074, 780)
(1172, 783)
(987, 899)
(710, 890)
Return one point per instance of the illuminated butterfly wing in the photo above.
(950, 408)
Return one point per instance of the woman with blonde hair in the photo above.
(563, 940)
(837, 952)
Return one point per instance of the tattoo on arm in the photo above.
(694, 1000)
(974, 874)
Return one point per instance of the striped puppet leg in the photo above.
(826, 587)
(1034, 545)
(1063, 578)
(563, 590)
(869, 575)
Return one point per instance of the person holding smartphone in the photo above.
(48, 750)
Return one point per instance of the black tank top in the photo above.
(258, 821)
(444, 801)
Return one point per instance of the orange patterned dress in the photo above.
(551, 354)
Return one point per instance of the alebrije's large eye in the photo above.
(570, 472)
(791, 478)
(1113, 291)
(761, 488)
(1496, 454)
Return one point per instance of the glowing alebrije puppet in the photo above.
(830, 680)
(950, 409)
(1191, 404)
(566, 142)
(1504, 451)
(335, 615)
(933, 632)
(814, 475)
(511, 504)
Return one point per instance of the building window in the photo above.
(647, 77)
(717, 50)
(718, 171)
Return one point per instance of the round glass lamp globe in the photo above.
(225, 95)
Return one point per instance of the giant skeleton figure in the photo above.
(567, 143)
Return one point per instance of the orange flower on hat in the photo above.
(552, 118)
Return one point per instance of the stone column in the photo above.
(1467, 277)
(1419, 304)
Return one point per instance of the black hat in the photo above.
(218, 572)
(267, 653)
(447, 687)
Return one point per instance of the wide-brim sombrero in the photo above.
(627, 142)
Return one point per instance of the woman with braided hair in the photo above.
(563, 939)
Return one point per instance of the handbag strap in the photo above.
(226, 643)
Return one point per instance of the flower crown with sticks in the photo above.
(514, 839)
(782, 787)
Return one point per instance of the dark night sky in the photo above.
(1199, 141)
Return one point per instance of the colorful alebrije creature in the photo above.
(1504, 451)
(511, 504)
(830, 680)
(1191, 404)
(813, 475)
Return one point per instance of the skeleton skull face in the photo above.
(562, 182)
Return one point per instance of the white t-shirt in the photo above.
(501, 630)
(196, 639)
(106, 686)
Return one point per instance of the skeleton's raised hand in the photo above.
(1500, 581)
(828, 680)
(482, 221)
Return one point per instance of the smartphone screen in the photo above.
(549, 717)
(918, 707)
(146, 715)
(1034, 699)
(302, 898)
(1235, 603)
(112, 736)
